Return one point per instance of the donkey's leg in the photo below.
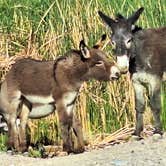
(13, 124)
(10, 142)
(139, 106)
(22, 130)
(65, 120)
(78, 132)
(13, 140)
(155, 102)
(10, 116)
(10, 100)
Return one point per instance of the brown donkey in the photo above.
(35, 89)
(142, 52)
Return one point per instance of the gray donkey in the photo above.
(142, 52)
(35, 89)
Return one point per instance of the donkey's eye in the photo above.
(128, 43)
(113, 43)
(129, 40)
(99, 63)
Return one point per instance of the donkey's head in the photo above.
(99, 65)
(122, 35)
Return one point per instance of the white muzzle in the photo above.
(123, 63)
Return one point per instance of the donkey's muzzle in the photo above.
(116, 77)
(115, 73)
(123, 63)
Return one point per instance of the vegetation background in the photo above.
(45, 29)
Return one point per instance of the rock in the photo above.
(156, 137)
(26, 154)
(96, 163)
(117, 162)
(164, 135)
(51, 148)
(132, 151)
(134, 138)
(9, 152)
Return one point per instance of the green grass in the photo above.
(3, 140)
(163, 115)
(50, 28)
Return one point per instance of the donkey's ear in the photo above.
(100, 43)
(120, 17)
(107, 20)
(84, 50)
(135, 16)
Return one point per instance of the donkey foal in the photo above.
(34, 89)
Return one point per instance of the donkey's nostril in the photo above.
(124, 70)
(117, 74)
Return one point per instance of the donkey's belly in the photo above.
(41, 111)
(39, 99)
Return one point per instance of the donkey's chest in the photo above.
(144, 77)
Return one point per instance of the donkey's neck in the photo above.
(71, 72)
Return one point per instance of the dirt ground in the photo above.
(147, 152)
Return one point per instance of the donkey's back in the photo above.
(31, 76)
(150, 48)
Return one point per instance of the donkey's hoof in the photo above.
(158, 131)
(135, 138)
(10, 144)
(137, 133)
(79, 150)
(67, 149)
(23, 148)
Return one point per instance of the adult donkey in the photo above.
(143, 53)
(35, 89)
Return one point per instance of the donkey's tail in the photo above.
(3, 124)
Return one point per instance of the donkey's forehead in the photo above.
(121, 33)
(123, 25)
(122, 30)
(96, 53)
